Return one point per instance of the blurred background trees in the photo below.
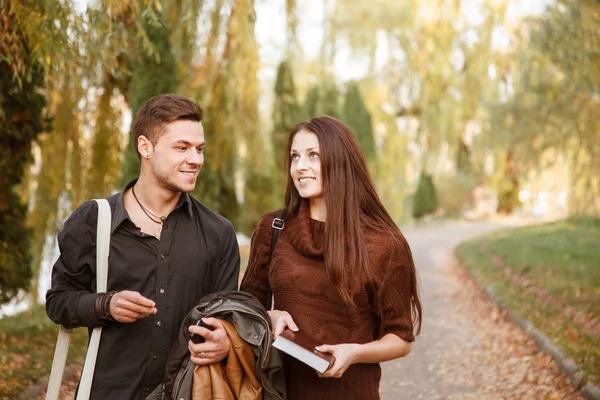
(448, 99)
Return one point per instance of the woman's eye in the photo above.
(294, 157)
(314, 155)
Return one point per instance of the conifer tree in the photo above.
(287, 112)
(425, 200)
(358, 119)
(323, 98)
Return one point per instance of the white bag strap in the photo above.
(64, 335)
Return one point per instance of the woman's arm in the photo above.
(389, 347)
(256, 277)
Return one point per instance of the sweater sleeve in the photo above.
(394, 294)
(256, 277)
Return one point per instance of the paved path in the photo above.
(467, 348)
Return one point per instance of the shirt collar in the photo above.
(120, 213)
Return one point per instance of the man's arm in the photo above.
(71, 300)
(227, 276)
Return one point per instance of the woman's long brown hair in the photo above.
(352, 205)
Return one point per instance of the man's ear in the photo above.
(144, 146)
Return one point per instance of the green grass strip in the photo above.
(562, 258)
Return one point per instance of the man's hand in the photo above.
(216, 346)
(128, 306)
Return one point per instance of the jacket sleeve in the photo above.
(256, 277)
(70, 301)
(227, 276)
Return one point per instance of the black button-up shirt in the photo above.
(197, 254)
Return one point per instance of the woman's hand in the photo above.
(281, 320)
(345, 355)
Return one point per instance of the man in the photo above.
(167, 250)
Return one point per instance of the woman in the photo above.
(341, 270)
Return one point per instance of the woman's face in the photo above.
(305, 168)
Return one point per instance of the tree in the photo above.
(323, 98)
(425, 200)
(507, 187)
(22, 119)
(60, 169)
(287, 112)
(152, 73)
(358, 119)
(230, 121)
(552, 91)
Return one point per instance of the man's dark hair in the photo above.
(158, 111)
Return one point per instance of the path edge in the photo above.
(566, 364)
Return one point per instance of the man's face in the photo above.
(178, 156)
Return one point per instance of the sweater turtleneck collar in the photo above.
(306, 235)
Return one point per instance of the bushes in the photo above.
(425, 201)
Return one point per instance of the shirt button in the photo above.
(155, 357)
(162, 290)
(159, 323)
(147, 390)
(162, 256)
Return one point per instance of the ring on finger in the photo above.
(202, 355)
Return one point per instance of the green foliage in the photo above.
(56, 172)
(358, 119)
(393, 187)
(425, 201)
(232, 116)
(21, 121)
(287, 112)
(323, 98)
(258, 197)
(507, 187)
(261, 189)
(553, 102)
(455, 194)
(152, 73)
(105, 150)
(561, 259)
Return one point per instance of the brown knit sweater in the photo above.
(301, 287)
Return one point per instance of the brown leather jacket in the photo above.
(234, 380)
(253, 326)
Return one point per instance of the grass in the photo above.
(562, 258)
(27, 347)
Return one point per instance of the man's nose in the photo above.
(196, 158)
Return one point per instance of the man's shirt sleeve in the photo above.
(229, 264)
(70, 301)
